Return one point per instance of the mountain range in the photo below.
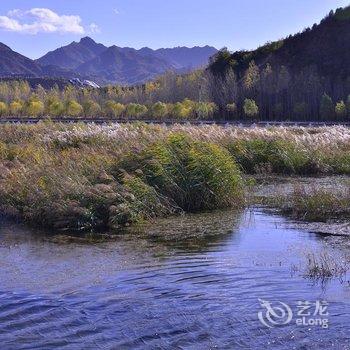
(87, 59)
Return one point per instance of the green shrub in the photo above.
(3, 150)
(326, 107)
(231, 108)
(300, 109)
(204, 110)
(135, 110)
(338, 163)
(250, 108)
(340, 110)
(274, 156)
(177, 111)
(195, 175)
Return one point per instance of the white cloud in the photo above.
(116, 11)
(9, 24)
(94, 28)
(14, 13)
(43, 20)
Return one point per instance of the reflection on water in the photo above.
(189, 282)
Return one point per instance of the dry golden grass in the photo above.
(84, 176)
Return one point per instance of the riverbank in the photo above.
(316, 204)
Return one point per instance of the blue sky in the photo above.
(33, 27)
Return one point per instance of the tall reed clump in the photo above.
(272, 156)
(85, 179)
(194, 175)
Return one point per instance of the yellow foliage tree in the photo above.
(16, 108)
(73, 108)
(3, 108)
(35, 108)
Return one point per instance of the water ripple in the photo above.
(146, 294)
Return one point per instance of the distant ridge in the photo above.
(13, 63)
(184, 57)
(89, 60)
(125, 65)
(73, 55)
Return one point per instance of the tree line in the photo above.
(257, 93)
(265, 93)
(18, 99)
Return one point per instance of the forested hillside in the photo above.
(305, 76)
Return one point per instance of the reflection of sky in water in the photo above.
(197, 287)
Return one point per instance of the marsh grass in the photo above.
(89, 176)
(312, 204)
(86, 178)
(323, 266)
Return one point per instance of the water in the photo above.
(195, 287)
